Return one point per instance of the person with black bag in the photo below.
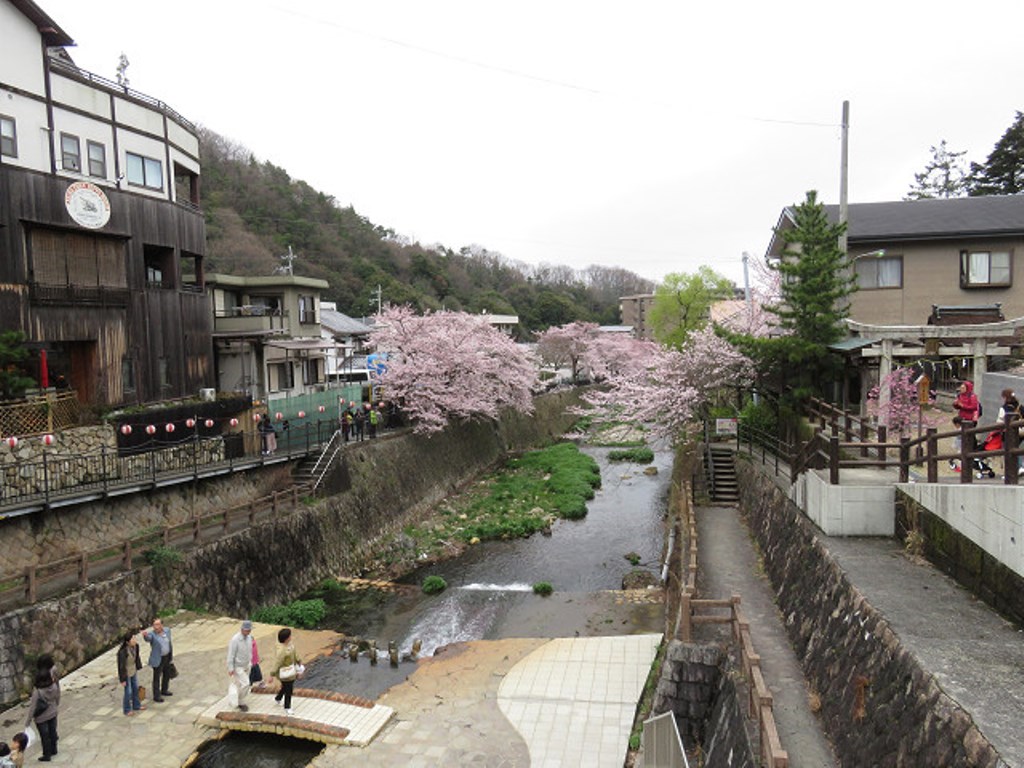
(43, 706)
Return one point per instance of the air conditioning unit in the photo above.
(208, 394)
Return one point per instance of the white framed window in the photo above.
(70, 153)
(97, 159)
(983, 269)
(8, 136)
(282, 376)
(884, 272)
(143, 171)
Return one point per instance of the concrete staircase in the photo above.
(720, 470)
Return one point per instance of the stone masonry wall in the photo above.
(879, 705)
(379, 485)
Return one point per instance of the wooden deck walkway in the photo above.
(330, 718)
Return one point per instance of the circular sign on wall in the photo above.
(87, 204)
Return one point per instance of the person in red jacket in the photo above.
(968, 411)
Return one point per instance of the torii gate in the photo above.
(978, 341)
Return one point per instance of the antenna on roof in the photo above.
(122, 69)
(286, 268)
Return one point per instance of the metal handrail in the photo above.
(325, 462)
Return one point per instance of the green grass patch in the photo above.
(640, 455)
(524, 497)
(543, 588)
(298, 613)
(161, 557)
(433, 585)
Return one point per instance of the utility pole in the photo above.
(844, 162)
(376, 295)
(746, 293)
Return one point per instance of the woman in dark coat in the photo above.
(128, 666)
(42, 707)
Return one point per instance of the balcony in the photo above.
(250, 318)
(78, 295)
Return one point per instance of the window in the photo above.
(127, 374)
(307, 309)
(159, 263)
(981, 269)
(70, 153)
(886, 272)
(8, 137)
(311, 371)
(144, 171)
(281, 376)
(97, 159)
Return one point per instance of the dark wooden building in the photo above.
(101, 236)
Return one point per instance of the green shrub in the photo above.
(632, 557)
(760, 417)
(328, 588)
(433, 585)
(298, 613)
(543, 588)
(161, 557)
(642, 455)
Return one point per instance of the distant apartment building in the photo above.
(101, 237)
(634, 311)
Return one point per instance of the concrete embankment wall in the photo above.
(878, 704)
(974, 534)
(377, 487)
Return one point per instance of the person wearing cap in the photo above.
(240, 662)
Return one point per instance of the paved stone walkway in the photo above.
(94, 732)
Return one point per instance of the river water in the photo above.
(490, 594)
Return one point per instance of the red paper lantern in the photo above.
(126, 429)
(169, 427)
(351, 403)
(209, 423)
(47, 439)
(151, 429)
(190, 423)
(255, 417)
(321, 408)
(302, 414)
(278, 416)
(233, 422)
(12, 441)
(380, 404)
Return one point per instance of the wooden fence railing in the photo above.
(78, 570)
(849, 445)
(700, 611)
(39, 414)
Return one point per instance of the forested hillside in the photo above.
(255, 211)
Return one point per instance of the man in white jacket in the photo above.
(240, 662)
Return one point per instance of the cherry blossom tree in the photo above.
(901, 411)
(666, 388)
(445, 366)
(566, 345)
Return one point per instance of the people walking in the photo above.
(268, 435)
(359, 423)
(240, 655)
(346, 424)
(968, 412)
(161, 656)
(1010, 408)
(287, 668)
(43, 706)
(373, 417)
(128, 665)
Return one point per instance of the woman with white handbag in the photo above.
(287, 668)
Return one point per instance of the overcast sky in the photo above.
(656, 136)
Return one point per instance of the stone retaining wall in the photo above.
(878, 704)
(379, 486)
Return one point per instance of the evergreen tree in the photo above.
(945, 175)
(1003, 171)
(13, 355)
(817, 280)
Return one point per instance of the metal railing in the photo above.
(663, 746)
(326, 459)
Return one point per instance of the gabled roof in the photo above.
(48, 28)
(964, 218)
(339, 323)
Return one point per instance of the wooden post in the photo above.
(1011, 442)
(833, 460)
(933, 450)
(197, 528)
(864, 439)
(252, 513)
(83, 569)
(273, 503)
(686, 626)
(30, 584)
(882, 437)
(966, 468)
(126, 555)
(167, 535)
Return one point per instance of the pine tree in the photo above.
(817, 280)
(945, 175)
(1003, 171)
